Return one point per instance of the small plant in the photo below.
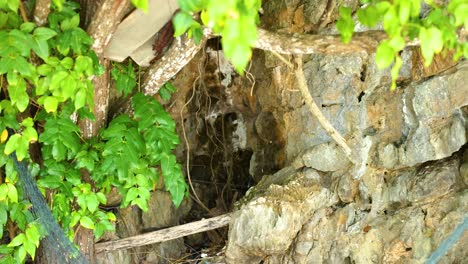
(45, 79)
(402, 21)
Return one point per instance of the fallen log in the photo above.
(164, 234)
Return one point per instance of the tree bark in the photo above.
(41, 12)
(104, 22)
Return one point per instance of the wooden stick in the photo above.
(164, 234)
(315, 110)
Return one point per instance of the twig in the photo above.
(284, 60)
(164, 234)
(315, 110)
(24, 16)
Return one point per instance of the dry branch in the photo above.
(315, 110)
(164, 234)
(184, 49)
(323, 44)
(180, 53)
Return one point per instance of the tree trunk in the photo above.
(103, 23)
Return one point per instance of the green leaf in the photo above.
(405, 10)
(124, 79)
(131, 195)
(345, 24)
(74, 220)
(84, 64)
(33, 235)
(30, 248)
(30, 134)
(415, 7)
(173, 179)
(41, 48)
(197, 32)
(86, 222)
(437, 41)
(461, 14)
(18, 240)
(101, 198)
(57, 79)
(143, 204)
(61, 133)
(13, 5)
(27, 122)
(141, 4)
(50, 182)
(43, 33)
(92, 202)
(80, 99)
(182, 21)
(384, 55)
(3, 192)
(50, 104)
(368, 16)
(191, 5)
(44, 69)
(395, 71)
(397, 43)
(99, 230)
(6, 64)
(58, 3)
(111, 216)
(20, 254)
(67, 63)
(3, 214)
(391, 22)
(27, 27)
(75, 21)
(69, 85)
(431, 42)
(12, 193)
(11, 144)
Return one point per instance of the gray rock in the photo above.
(325, 157)
(267, 225)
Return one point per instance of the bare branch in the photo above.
(164, 234)
(179, 54)
(41, 12)
(105, 21)
(325, 44)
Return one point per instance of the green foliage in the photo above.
(166, 91)
(45, 76)
(124, 77)
(141, 4)
(235, 20)
(346, 24)
(402, 22)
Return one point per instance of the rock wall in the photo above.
(309, 204)
(398, 205)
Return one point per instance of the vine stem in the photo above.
(187, 145)
(315, 110)
(23, 12)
